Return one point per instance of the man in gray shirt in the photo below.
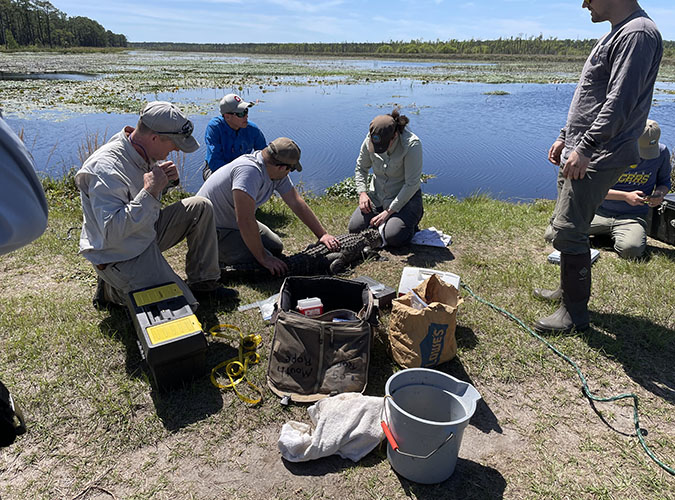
(606, 117)
(237, 189)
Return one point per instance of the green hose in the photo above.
(587, 392)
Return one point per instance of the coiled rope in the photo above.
(236, 368)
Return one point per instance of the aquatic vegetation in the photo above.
(128, 78)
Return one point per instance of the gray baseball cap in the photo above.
(232, 103)
(166, 119)
(648, 143)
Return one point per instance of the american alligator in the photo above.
(316, 259)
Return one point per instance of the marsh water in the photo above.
(476, 137)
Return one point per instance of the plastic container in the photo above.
(425, 414)
(310, 307)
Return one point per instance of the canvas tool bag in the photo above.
(317, 356)
(424, 336)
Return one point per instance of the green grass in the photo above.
(96, 424)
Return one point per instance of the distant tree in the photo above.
(38, 23)
(10, 43)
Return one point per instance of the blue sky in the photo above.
(230, 21)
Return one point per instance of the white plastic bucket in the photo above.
(424, 416)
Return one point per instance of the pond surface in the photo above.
(473, 141)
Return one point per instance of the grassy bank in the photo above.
(97, 429)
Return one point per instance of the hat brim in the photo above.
(185, 144)
(650, 152)
(243, 105)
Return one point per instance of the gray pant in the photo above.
(190, 219)
(233, 250)
(575, 208)
(629, 232)
(399, 228)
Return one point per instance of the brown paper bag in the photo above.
(425, 337)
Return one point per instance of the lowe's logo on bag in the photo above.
(432, 345)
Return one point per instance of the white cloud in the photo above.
(298, 6)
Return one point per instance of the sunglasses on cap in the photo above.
(185, 130)
(240, 114)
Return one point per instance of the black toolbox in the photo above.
(662, 225)
(170, 336)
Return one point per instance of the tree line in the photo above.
(37, 23)
(438, 48)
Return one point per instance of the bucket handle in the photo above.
(394, 445)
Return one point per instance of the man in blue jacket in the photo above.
(230, 135)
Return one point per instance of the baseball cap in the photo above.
(232, 103)
(648, 143)
(284, 150)
(382, 129)
(166, 119)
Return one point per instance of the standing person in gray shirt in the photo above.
(606, 117)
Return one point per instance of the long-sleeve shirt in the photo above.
(119, 215)
(224, 144)
(396, 173)
(614, 94)
(23, 207)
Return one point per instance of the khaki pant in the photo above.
(190, 219)
(628, 232)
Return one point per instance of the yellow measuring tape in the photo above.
(236, 368)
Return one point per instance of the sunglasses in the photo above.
(240, 114)
(287, 166)
(185, 130)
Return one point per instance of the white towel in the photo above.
(347, 424)
(432, 237)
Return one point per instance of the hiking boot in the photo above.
(548, 295)
(575, 283)
(561, 321)
(212, 290)
(101, 300)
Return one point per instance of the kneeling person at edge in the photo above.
(125, 229)
(623, 213)
(393, 201)
(237, 189)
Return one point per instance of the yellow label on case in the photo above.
(174, 329)
(158, 294)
